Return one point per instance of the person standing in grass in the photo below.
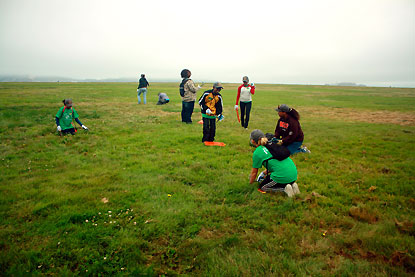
(142, 89)
(288, 131)
(64, 118)
(280, 175)
(211, 106)
(188, 92)
(244, 98)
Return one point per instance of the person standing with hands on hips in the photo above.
(188, 92)
(142, 88)
(212, 106)
(64, 118)
(244, 97)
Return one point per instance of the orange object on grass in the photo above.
(214, 143)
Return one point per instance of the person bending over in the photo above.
(280, 175)
(211, 106)
(288, 130)
(64, 118)
(245, 92)
(163, 99)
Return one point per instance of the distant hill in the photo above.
(27, 78)
(347, 84)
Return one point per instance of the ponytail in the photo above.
(262, 141)
(293, 113)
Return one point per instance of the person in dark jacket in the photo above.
(288, 131)
(142, 89)
(212, 106)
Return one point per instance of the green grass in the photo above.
(178, 207)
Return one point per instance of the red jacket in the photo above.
(239, 92)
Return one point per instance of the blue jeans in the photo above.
(144, 92)
(295, 147)
(187, 110)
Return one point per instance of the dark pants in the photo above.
(69, 131)
(269, 185)
(187, 110)
(245, 111)
(209, 129)
(162, 102)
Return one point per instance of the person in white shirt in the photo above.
(244, 97)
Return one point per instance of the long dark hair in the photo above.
(293, 113)
(185, 73)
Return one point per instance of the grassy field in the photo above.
(140, 194)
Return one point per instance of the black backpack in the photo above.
(278, 152)
(182, 86)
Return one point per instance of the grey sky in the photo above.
(309, 42)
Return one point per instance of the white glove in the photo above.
(208, 111)
(252, 84)
(84, 127)
(221, 117)
(59, 128)
(236, 107)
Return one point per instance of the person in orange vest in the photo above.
(211, 106)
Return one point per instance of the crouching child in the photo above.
(163, 99)
(280, 173)
(64, 118)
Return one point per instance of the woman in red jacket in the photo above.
(244, 94)
(288, 130)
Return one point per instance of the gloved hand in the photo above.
(261, 177)
(208, 112)
(84, 127)
(252, 84)
(59, 128)
(236, 107)
(220, 117)
(279, 142)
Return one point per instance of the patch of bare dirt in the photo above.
(383, 117)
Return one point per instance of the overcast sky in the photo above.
(290, 41)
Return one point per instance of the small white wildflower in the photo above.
(110, 222)
(105, 258)
(109, 215)
(122, 268)
(109, 212)
(135, 223)
(86, 220)
(59, 242)
(99, 213)
(86, 270)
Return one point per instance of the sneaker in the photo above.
(304, 149)
(296, 190)
(261, 177)
(261, 191)
(289, 191)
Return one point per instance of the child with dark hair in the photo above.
(64, 118)
(288, 130)
(188, 92)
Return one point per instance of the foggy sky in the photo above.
(303, 42)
